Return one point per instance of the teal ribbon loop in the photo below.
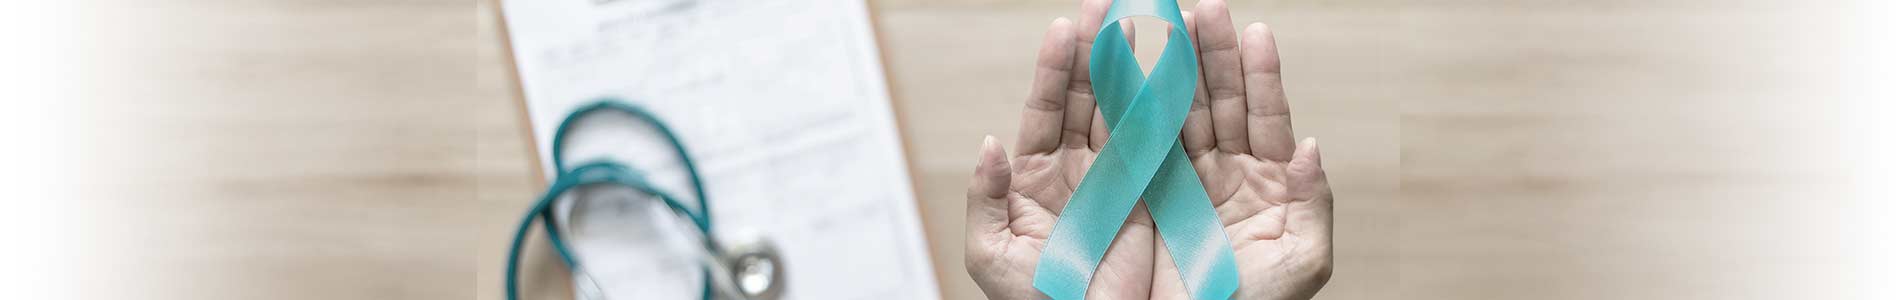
(1144, 160)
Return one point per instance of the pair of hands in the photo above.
(1270, 192)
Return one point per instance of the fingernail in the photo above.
(983, 154)
(1257, 28)
(1312, 145)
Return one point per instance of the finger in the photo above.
(1128, 265)
(987, 218)
(1048, 93)
(1197, 135)
(1098, 131)
(1167, 279)
(1269, 119)
(1079, 114)
(1311, 212)
(1220, 68)
(1128, 33)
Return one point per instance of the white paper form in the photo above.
(782, 105)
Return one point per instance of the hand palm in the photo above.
(1041, 185)
(1013, 206)
(1273, 199)
(1278, 258)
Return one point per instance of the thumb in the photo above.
(1311, 212)
(987, 222)
(1312, 208)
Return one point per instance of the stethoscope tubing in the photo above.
(606, 173)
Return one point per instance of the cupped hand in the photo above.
(1013, 202)
(1270, 192)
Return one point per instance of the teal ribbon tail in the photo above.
(1143, 161)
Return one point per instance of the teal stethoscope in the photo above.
(752, 270)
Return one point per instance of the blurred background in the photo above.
(1480, 149)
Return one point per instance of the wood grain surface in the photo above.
(254, 150)
(1480, 149)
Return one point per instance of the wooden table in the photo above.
(1480, 149)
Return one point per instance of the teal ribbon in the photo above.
(1144, 159)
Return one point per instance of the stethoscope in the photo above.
(749, 270)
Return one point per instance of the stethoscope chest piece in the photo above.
(742, 266)
(756, 269)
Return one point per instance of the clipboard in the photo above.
(551, 42)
